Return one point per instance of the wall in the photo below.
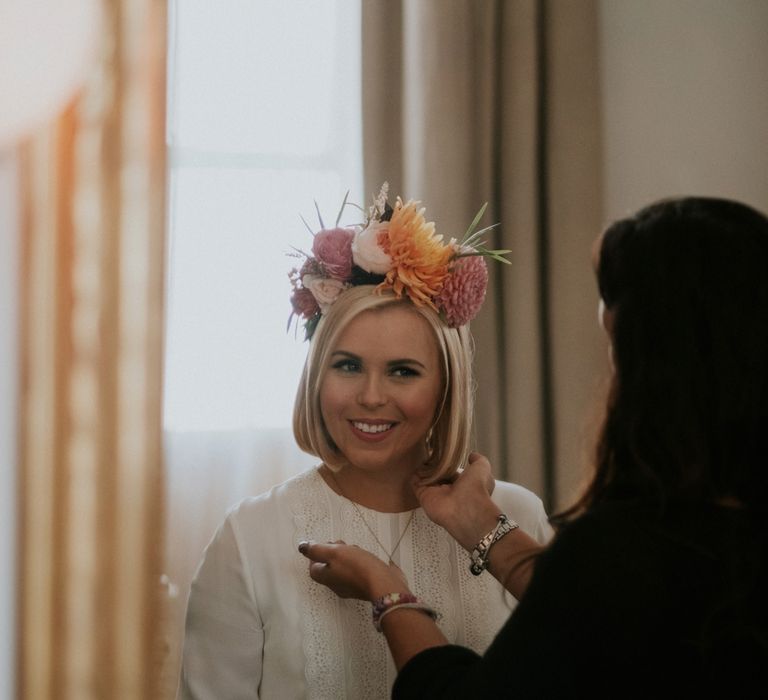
(685, 100)
(683, 110)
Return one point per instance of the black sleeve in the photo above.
(566, 622)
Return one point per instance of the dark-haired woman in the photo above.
(656, 581)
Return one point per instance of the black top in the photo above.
(626, 602)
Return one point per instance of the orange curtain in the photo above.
(92, 188)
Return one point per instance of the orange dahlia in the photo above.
(419, 256)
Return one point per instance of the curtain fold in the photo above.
(470, 101)
(92, 190)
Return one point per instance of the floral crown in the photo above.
(397, 249)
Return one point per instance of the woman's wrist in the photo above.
(476, 521)
(399, 601)
(481, 551)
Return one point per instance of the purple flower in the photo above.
(463, 291)
(333, 249)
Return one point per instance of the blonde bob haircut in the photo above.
(449, 440)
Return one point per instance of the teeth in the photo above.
(368, 428)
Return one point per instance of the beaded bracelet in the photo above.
(479, 554)
(391, 601)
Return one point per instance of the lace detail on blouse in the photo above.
(486, 607)
(434, 575)
(345, 656)
(366, 649)
(473, 608)
(322, 642)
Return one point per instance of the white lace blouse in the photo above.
(257, 626)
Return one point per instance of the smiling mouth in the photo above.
(372, 428)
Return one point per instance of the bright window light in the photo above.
(263, 119)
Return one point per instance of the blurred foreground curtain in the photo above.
(467, 101)
(92, 189)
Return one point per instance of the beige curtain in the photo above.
(92, 190)
(467, 101)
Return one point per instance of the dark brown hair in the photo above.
(686, 283)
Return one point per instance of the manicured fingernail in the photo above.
(303, 546)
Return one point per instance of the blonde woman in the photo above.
(385, 397)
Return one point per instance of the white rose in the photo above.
(324, 289)
(367, 253)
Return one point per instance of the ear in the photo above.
(605, 317)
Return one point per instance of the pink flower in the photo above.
(325, 289)
(333, 249)
(463, 291)
(304, 303)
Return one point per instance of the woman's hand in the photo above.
(465, 509)
(351, 572)
(464, 506)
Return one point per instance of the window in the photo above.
(263, 118)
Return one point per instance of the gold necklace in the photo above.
(368, 527)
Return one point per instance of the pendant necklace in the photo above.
(369, 528)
